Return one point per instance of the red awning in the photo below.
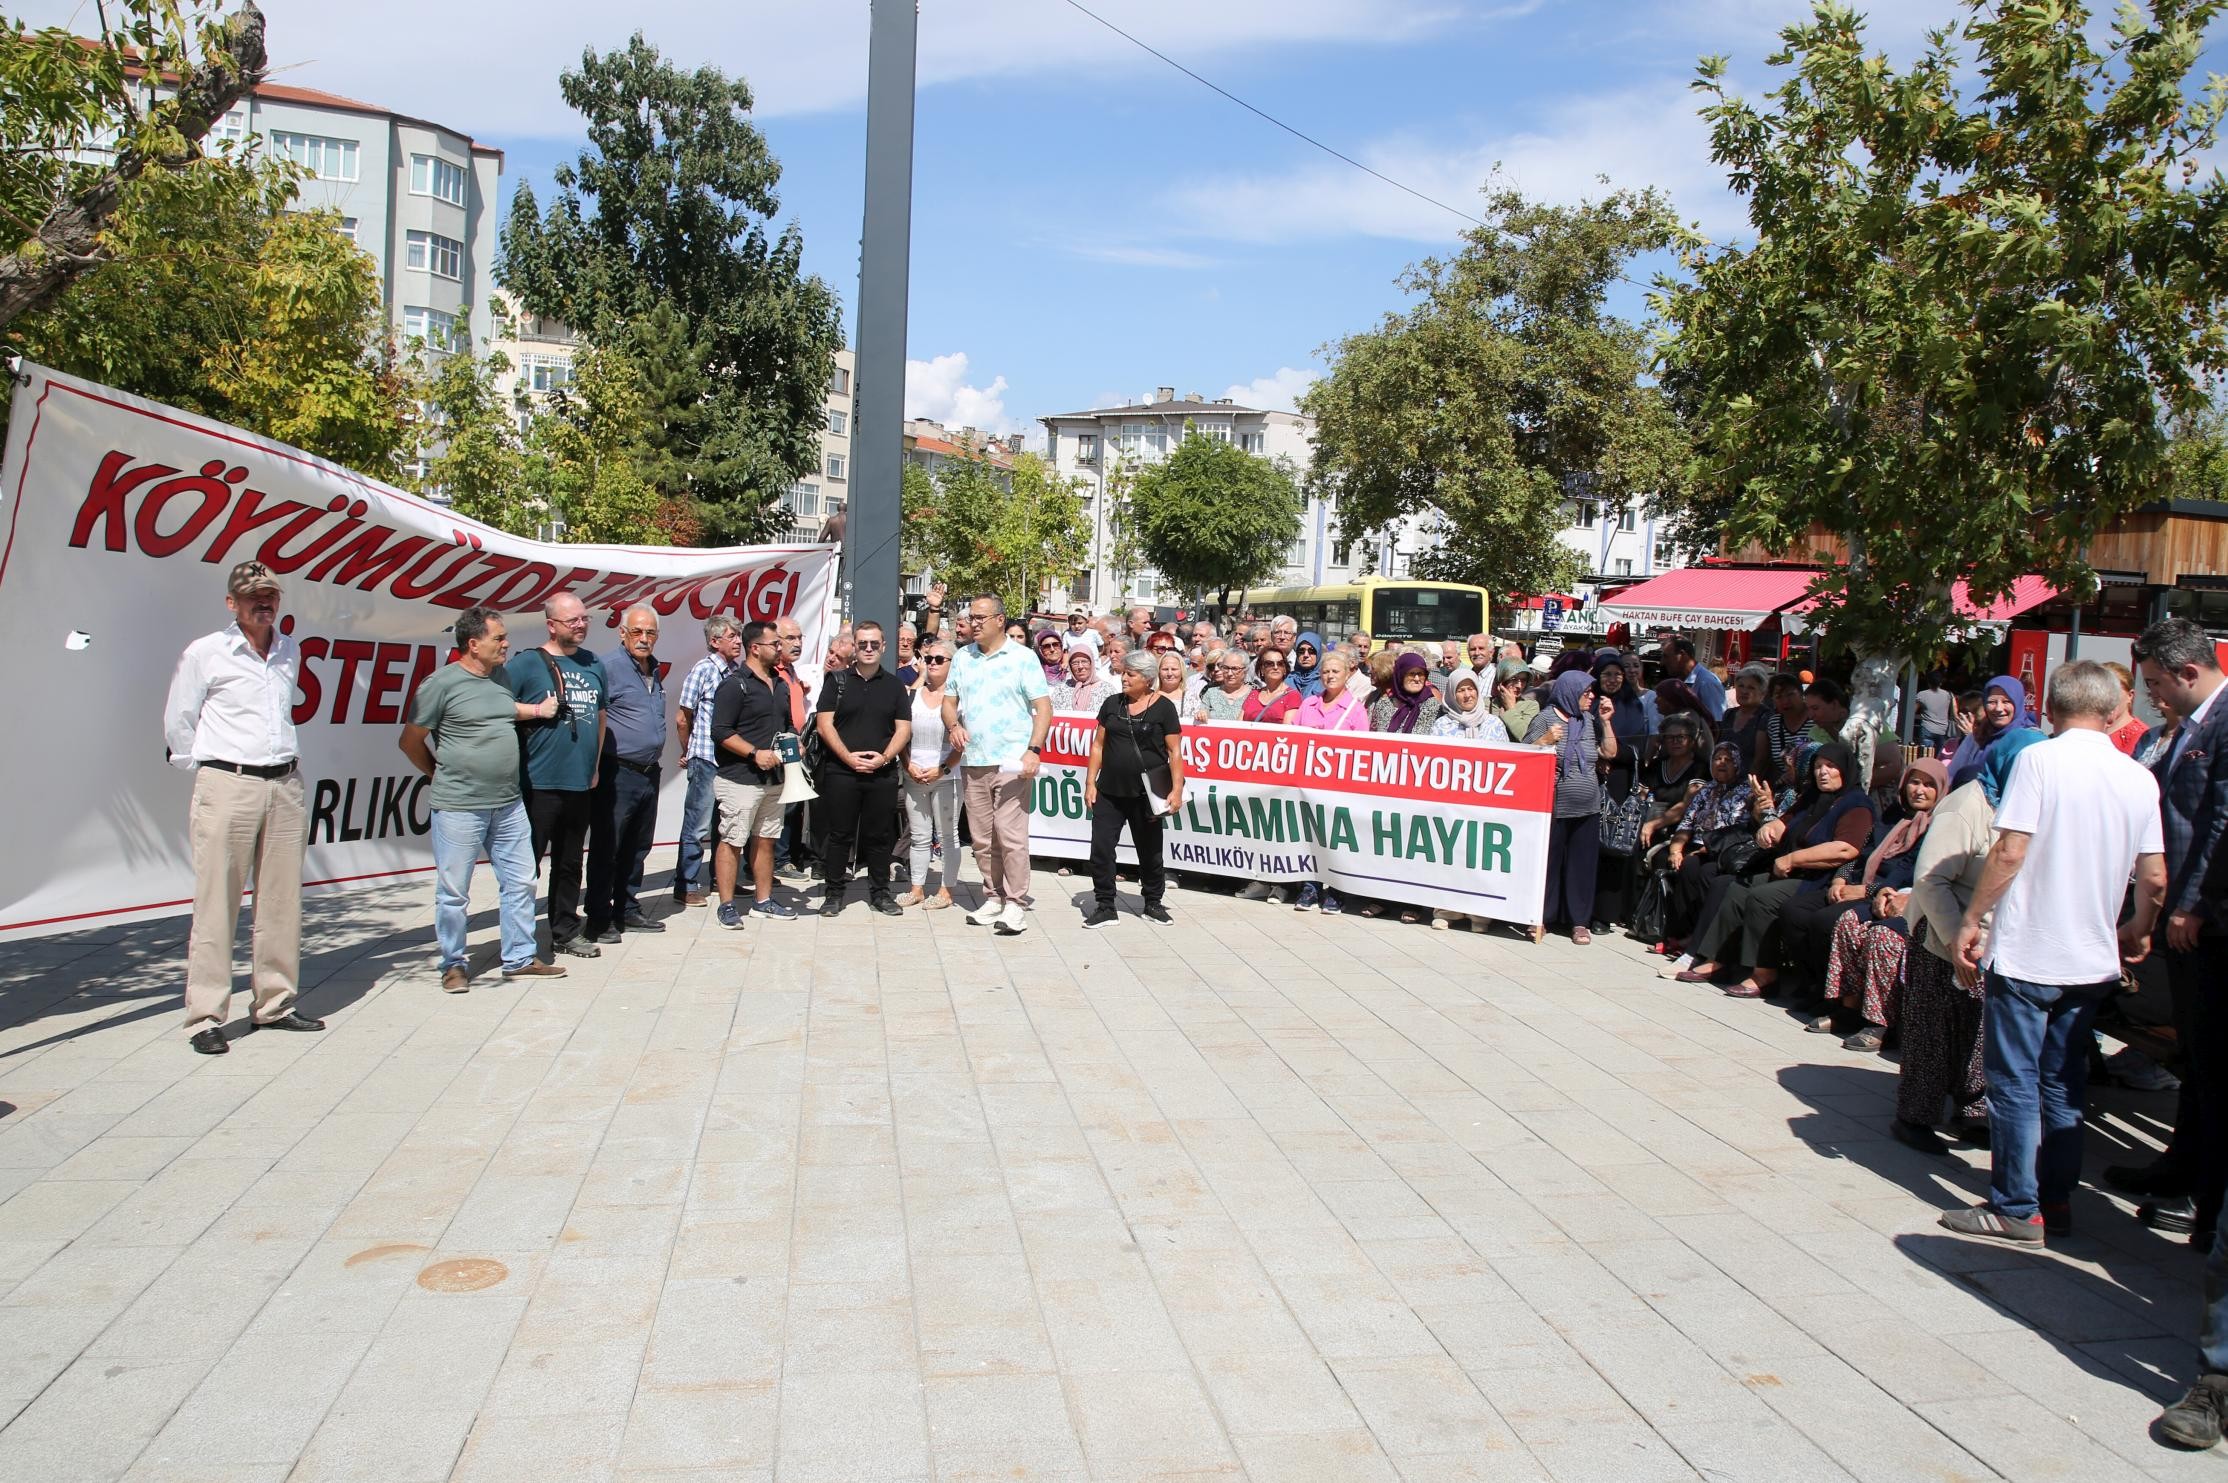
(2027, 592)
(1714, 597)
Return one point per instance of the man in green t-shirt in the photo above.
(562, 756)
(463, 733)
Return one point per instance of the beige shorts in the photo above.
(747, 811)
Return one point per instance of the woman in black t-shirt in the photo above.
(1136, 773)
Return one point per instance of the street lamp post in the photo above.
(871, 533)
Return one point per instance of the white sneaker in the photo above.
(1676, 966)
(1014, 921)
(986, 914)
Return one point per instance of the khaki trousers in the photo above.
(998, 816)
(237, 823)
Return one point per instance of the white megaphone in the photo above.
(795, 786)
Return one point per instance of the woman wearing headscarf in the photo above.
(1512, 698)
(1051, 652)
(1086, 690)
(1307, 664)
(1855, 932)
(1407, 707)
(1464, 712)
(2003, 710)
(1941, 1004)
(1831, 824)
(1572, 724)
(1729, 800)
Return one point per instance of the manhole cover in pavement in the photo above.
(465, 1274)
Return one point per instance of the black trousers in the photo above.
(1573, 858)
(1690, 888)
(858, 811)
(1806, 926)
(2198, 1152)
(559, 821)
(622, 818)
(1108, 816)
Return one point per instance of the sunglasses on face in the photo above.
(869, 644)
(936, 659)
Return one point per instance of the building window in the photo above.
(543, 373)
(801, 498)
(839, 384)
(1665, 556)
(430, 251)
(1143, 587)
(1218, 433)
(838, 423)
(1342, 554)
(327, 159)
(1086, 448)
(433, 176)
(1628, 520)
(1624, 566)
(230, 129)
(348, 227)
(1156, 442)
(438, 330)
(1583, 517)
(1254, 442)
(836, 462)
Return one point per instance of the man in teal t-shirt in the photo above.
(561, 757)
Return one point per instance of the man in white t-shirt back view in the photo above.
(2077, 821)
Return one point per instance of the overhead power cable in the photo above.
(1267, 117)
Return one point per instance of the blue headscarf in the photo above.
(1308, 681)
(1965, 762)
(1995, 768)
(1568, 695)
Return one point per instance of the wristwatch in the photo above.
(1036, 751)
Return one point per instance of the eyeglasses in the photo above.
(868, 644)
(936, 659)
(579, 622)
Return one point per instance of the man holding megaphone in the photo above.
(749, 710)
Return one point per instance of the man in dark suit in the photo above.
(2183, 1188)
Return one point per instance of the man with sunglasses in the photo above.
(865, 718)
(562, 756)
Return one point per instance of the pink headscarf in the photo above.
(1911, 830)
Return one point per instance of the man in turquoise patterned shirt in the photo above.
(999, 709)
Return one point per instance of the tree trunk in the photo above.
(68, 242)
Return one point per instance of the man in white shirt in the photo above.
(2077, 820)
(230, 718)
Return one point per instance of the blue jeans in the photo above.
(693, 874)
(2035, 1049)
(459, 837)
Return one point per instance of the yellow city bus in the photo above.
(1388, 609)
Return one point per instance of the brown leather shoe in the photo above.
(535, 970)
(696, 898)
(455, 981)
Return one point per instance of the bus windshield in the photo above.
(1425, 614)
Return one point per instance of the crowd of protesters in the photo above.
(1972, 901)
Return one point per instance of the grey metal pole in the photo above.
(870, 547)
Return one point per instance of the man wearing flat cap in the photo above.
(230, 720)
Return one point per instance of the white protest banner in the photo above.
(1418, 820)
(119, 519)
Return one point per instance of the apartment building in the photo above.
(820, 497)
(540, 351)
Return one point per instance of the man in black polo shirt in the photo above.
(749, 710)
(865, 719)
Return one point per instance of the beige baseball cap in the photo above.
(251, 576)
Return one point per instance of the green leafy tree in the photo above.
(476, 456)
(1962, 328)
(585, 455)
(215, 294)
(1124, 552)
(1214, 517)
(77, 128)
(670, 205)
(1506, 390)
(979, 536)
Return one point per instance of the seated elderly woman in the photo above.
(1723, 813)
(1830, 825)
(1466, 711)
(1852, 935)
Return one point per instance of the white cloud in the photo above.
(1137, 255)
(1277, 393)
(939, 389)
(504, 55)
(1647, 137)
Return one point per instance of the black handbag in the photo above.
(1651, 909)
(1734, 848)
(816, 750)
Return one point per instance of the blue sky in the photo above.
(1089, 224)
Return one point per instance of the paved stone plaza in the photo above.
(1265, 1196)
